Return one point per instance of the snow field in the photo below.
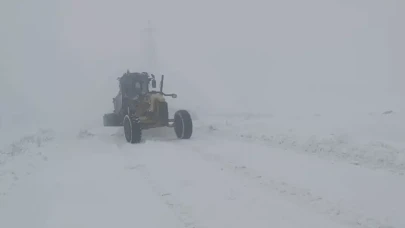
(93, 178)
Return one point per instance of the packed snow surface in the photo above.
(242, 170)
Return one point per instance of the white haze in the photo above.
(60, 59)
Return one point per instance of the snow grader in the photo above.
(137, 108)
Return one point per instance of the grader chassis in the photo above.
(137, 108)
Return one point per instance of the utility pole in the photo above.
(150, 50)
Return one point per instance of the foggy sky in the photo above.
(63, 57)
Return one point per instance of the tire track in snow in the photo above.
(250, 177)
(302, 197)
(217, 198)
(182, 213)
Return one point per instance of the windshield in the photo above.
(145, 87)
(141, 87)
(135, 88)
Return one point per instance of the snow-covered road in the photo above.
(216, 179)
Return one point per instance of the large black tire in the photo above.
(111, 120)
(183, 124)
(132, 129)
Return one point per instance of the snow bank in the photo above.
(371, 140)
(21, 158)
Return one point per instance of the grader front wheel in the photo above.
(183, 124)
(132, 129)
